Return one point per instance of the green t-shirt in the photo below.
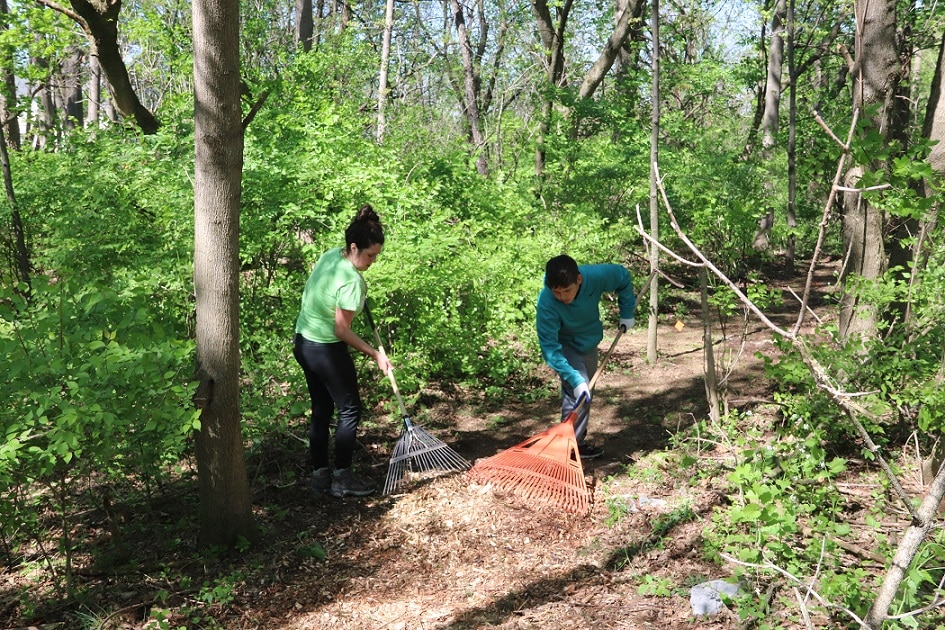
(334, 283)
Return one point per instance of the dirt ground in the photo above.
(448, 553)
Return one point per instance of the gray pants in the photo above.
(586, 364)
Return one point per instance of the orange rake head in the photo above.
(544, 469)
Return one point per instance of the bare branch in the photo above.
(705, 261)
(69, 13)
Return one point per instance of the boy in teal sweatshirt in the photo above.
(569, 328)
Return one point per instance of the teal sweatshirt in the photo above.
(578, 324)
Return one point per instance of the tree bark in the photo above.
(792, 140)
(225, 509)
(21, 252)
(772, 111)
(770, 119)
(71, 92)
(304, 24)
(933, 128)
(95, 92)
(653, 319)
(605, 61)
(385, 63)
(10, 121)
(551, 32)
(46, 120)
(917, 532)
(876, 81)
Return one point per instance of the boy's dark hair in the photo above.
(561, 271)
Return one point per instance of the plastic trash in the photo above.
(706, 598)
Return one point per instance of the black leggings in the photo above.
(332, 382)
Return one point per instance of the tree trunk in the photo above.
(711, 380)
(653, 319)
(934, 125)
(225, 509)
(769, 119)
(20, 252)
(876, 81)
(595, 75)
(71, 93)
(916, 533)
(100, 22)
(551, 32)
(95, 92)
(385, 63)
(792, 141)
(471, 104)
(933, 128)
(304, 26)
(318, 24)
(8, 96)
(45, 124)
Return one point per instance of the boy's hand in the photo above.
(582, 390)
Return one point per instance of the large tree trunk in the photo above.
(71, 91)
(876, 82)
(225, 509)
(770, 119)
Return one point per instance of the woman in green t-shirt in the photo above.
(333, 295)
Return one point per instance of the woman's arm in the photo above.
(343, 319)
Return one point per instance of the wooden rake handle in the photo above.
(390, 372)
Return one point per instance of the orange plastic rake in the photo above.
(545, 469)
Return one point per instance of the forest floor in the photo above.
(448, 553)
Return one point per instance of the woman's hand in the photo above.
(382, 361)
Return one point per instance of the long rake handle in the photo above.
(390, 372)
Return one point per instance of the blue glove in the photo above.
(582, 390)
(626, 323)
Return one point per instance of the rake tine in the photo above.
(418, 451)
(395, 470)
(544, 469)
